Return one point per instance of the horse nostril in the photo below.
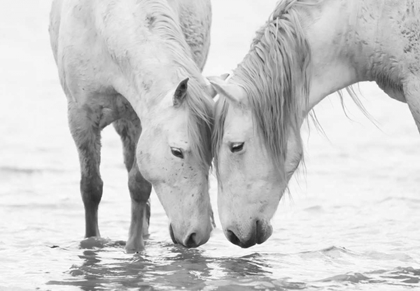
(191, 241)
(233, 238)
(171, 232)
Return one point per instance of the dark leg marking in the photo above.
(87, 137)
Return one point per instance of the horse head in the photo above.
(252, 179)
(174, 154)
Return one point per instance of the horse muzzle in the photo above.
(191, 239)
(258, 232)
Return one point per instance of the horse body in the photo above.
(307, 50)
(372, 41)
(138, 64)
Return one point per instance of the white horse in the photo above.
(137, 64)
(306, 50)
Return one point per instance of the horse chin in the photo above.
(264, 232)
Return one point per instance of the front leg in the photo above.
(129, 131)
(86, 135)
(140, 190)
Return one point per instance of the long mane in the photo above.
(166, 23)
(200, 124)
(275, 76)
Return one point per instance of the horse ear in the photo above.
(212, 92)
(233, 93)
(181, 92)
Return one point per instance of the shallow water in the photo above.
(350, 222)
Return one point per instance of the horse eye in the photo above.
(236, 147)
(177, 153)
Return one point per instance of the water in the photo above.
(350, 222)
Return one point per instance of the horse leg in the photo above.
(139, 188)
(412, 96)
(87, 135)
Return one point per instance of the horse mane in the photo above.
(275, 76)
(200, 123)
(162, 21)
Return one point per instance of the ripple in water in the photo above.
(105, 266)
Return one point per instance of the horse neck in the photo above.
(152, 57)
(156, 87)
(328, 34)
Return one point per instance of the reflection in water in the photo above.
(171, 267)
(98, 271)
(176, 268)
(103, 264)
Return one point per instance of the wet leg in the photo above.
(86, 135)
(140, 209)
(139, 188)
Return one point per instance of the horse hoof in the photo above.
(133, 248)
(93, 242)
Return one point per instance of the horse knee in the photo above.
(139, 188)
(129, 131)
(91, 189)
